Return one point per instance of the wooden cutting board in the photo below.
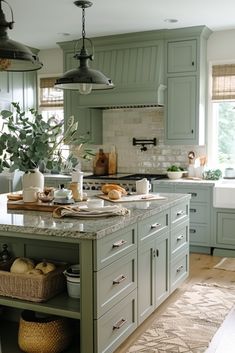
(133, 198)
(32, 206)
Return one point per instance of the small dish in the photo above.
(45, 198)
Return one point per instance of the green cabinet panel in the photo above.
(181, 108)
(179, 269)
(6, 85)
(225, 228)
(24, 89)
(162, 269)
(182, 56)
(186, 81)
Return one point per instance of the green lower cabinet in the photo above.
(225, 226)
(179, 268)
(153, 275)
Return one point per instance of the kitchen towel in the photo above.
(70, 211)
(227, 264)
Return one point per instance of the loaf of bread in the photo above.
(114, 195)
(106, 188)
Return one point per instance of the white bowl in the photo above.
(174, 175)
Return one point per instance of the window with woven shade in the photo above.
(222, 128)
(223, 82)
(49, 95)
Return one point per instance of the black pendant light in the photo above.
(84, 78)
(14, 56)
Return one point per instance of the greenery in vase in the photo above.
(27, 141)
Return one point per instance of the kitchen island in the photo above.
(128, 266)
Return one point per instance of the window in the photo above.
(223, 115)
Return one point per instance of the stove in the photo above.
(127, 181)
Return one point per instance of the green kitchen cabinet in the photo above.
(6, 85)
(186, 81)
(223, 232)
(201, 210)
(24, 89)
(182, 107)
(153, 264)
(181, 56)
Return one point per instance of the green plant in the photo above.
(28, 141)
(212, 174)
(174, 168)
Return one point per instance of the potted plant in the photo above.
(27, 141)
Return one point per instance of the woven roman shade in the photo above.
(223, 82)
(49, 95)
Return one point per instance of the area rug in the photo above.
(189, 324)
(227, 263)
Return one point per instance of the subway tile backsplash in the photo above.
(121, 125)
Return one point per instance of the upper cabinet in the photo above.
(185, 78)
(133, 61)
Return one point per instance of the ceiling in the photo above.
(43, 23)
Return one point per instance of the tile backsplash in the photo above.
(121, 125)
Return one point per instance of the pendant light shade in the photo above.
(84, 78)
(14, 56)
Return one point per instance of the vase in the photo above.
(33, 178)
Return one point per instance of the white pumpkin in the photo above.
(45, 267)
(22, 265)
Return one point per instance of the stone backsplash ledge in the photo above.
(121, 125)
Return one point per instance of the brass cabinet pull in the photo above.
(155, 225)
(179, 268)
(119, 243)
(180, 213)
(119, 324)
(180, 237)
(193, 210)
(119, 279)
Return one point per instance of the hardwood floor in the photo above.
(201, 271)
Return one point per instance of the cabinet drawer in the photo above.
(114, 246)
(152, 226)
(179, 213)
(114, 282)
(179, 269)
(116, 325)
(199, 234)
(180, 236)
(199, 213)
(197, 195)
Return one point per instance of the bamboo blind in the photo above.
(49, 95)
(223, 82)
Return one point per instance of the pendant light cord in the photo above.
(83, 28)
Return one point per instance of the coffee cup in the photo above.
(143, 186)
(30, 194)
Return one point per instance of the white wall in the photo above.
(52, 60)
(221, 46)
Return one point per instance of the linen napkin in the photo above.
(71, 211)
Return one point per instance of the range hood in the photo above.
(135, 62)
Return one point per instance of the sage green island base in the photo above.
(129, 265)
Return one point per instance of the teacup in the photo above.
(30, 194)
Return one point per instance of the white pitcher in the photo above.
(143, 186)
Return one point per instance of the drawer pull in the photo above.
(192, 230)
(193, 194)
(179, 268)
(180, 213)
(155, 225)
(119, 279)
(119, 324)
(119, 243)
(180, 237)
(193, 210)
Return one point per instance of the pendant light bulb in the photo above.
(84, 79)
(85, 88)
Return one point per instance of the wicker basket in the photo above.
(30, 287)
(50, 335)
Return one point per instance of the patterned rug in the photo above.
(189, 324)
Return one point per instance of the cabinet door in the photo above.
(161, 280)
(181, 109)
(146, 266)
(225, 228)
(182, 56)
(30, 90)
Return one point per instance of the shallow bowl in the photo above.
(174, 175)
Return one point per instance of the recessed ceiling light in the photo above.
(65, 34)
(171, 20)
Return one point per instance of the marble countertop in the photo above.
(186, 181)
(43, 224)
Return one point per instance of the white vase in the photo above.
(33, 178)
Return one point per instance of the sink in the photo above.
(224, 194)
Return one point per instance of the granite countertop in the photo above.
(186, 181)
(43, 224)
